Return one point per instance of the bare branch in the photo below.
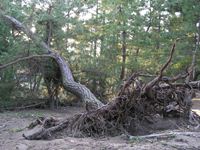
(22, 59)
(156, 79)
(169, 59)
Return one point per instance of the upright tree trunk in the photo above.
(49, 28)
(195, 52)
(52, 87)
(67, 79)
(192, 69)
(123, 53)
(94, 81)
(158, 32)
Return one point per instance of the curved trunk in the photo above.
(76, 88)
(67, 78)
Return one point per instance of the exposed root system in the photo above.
(130, 112)
(138, 107)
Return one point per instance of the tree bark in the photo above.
(192, 69)
(193, 65)
(67, 78)
(51, 84)
(122, 75)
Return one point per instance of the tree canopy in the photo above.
(103, 41)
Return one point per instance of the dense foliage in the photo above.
(104, 41)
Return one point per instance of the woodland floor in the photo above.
(12, 125)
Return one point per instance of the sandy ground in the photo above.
(13, 124)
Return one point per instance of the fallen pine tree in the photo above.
(168, 104)
(136, 107)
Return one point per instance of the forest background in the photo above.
(103, 41)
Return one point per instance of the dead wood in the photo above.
(118, 116)
(161, 136)
(18, 60)
(31, 106)
(148, 86)
(133, 106)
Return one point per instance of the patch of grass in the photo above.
(17, 129)
(135, 139)
(38, 114)
(30, 114)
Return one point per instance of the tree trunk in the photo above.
(76, 88)
(192, 69)
(195, 52)
(67, 78)
(49, 82)
(123, 53)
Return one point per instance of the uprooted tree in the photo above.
(137, 106)
(67, 78)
